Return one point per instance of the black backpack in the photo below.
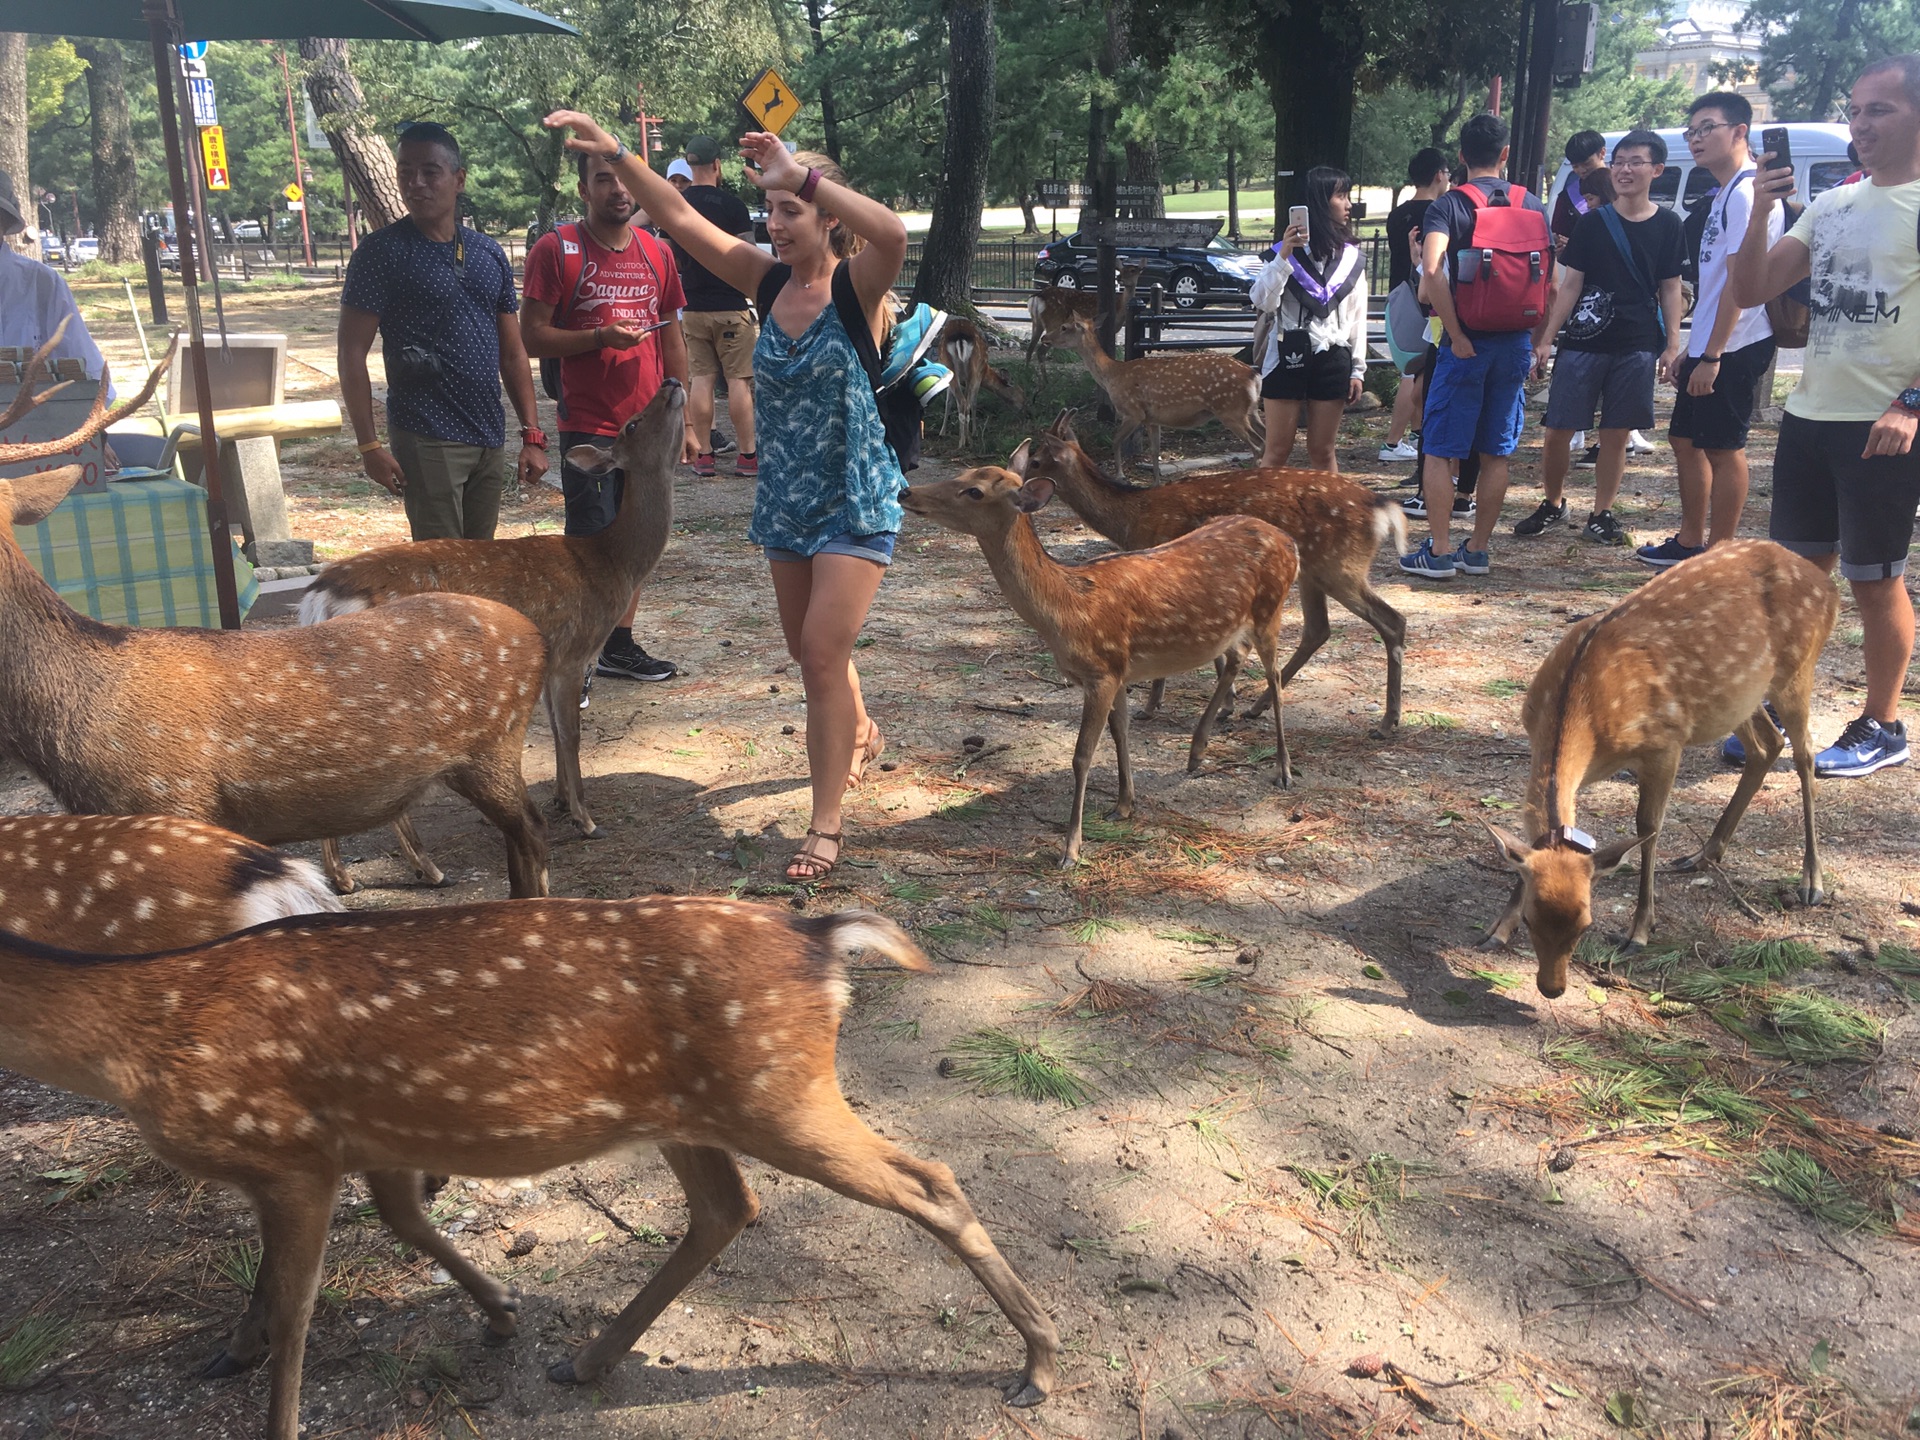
(899, 407)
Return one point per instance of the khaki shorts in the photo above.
(720, 342)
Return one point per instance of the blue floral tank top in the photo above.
(825, 466)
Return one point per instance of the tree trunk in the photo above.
(13, 130)
(1233, 194)
(1143, 168)
(829, 113)
(1438, 130)
(1310, 77)
(1032, 221)
(946, 260)
(1820, 102)
(362, 154)
(116, 181)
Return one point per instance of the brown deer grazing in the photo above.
(1336, 523)
(132, 884)
(1202, 597)
(963, 350)
(1179, 390)
(1052, 306)
(279, 735)
(574, 587)
(491, 1040)
(1683, 660)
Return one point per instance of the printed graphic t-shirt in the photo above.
(1617, 314)
(445, 298)
(635, 287)
(1720, 241)
(1863, 345)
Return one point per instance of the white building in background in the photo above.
(1703, 37)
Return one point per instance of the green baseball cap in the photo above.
(703, 150)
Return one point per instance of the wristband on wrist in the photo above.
(534, 436)
(1709, 359)
(620, 151)
(369, 447)
(809, 185)
(598, 343)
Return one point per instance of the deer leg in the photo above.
(1501, 935)
(1656, 785)
(1314, 630)
(396, 1194)
(1156, 693)
(1117, 725)
(500, 793)
(1391, 626)
(1266, 639)
(1153, 447)
(563, 713)
(338, 875)
(247, 1346)
(293, 1230)
(1791, 703)
(847, 1157)
(719, 1207)
(1228, 667)
(1094, 710)
(416, 853)
(1763, 744)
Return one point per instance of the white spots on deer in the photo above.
(611, 1109)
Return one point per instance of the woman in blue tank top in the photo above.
(827, 505)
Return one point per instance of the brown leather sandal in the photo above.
(807, 858)
(867, 754)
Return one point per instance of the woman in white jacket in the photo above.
(1317, 354)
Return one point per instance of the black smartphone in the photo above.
(1773, 141)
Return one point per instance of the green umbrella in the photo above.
(166, 23)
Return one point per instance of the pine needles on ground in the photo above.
(28, 1346)
(1805, 1183)
(1804, 1027)
(1038, 1067)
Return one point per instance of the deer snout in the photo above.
(909, 501)
(1552, 987)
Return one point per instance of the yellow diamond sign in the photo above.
(293, 193)
(771, 101)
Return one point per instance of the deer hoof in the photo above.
(1492, 942)
(344, 885)
(224, 1367)
(593, 831)
(1025, 1395)
(1812, 895)
(561, 1373)
(496, 1336)
(1633, 946)
(1383, 732)
(1069, 860)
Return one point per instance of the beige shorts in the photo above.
(720, 342)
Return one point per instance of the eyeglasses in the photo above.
(1634, 164)
(1704, 129)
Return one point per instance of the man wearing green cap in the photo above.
(720, 329)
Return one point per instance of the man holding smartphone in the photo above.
(604, 297)
(1846, 477)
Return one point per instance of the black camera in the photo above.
(414, 365)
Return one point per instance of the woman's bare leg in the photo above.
(1323, 432)
(1283, 422)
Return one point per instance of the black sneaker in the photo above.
(1603, 529)
(1590, 459)
(721, 444)
(1416, 507)
(1548, 514)
(630, 662)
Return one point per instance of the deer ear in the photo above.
(1511, 851)
(1063, 425)
(590, 459)
(1018, 461)
(1607, 860)
(34, 497)
(1033, 495)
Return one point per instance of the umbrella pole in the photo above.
(163, 27)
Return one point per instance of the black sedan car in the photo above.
(1191, 276)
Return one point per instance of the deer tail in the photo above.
(271, 886)
(323, 602)
(1389, 519)
(849, 932)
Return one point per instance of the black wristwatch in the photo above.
(1909, 399)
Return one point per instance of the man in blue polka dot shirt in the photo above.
(441, 298)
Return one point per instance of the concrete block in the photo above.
(250, 474)
(281, 554)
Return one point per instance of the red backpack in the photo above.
(1504, 271)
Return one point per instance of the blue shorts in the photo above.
(1475, 407)
(877, 548)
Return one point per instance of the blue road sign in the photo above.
(193, 50)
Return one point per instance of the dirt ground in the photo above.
(1332, 1173)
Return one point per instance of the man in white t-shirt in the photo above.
(1846, 477)
(1729, 347)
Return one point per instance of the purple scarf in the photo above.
(1320, 293)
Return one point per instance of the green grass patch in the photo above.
(914, 892)
(1098, 827)
(1901, 967)
(1500, 979)
(1655, 1080)
(1371, 1186)
(1802, 1026)
(1504, 689)
(1090, 928)
(1804, 1183)
(1432, 720)
(28, 1346)
(1037, 1067)
(898, 1029)
(1214, 977)
(240, 1264)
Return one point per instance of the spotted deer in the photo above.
(963, 350)
(1052, 306)
(132, 884)
(573, 587)
(1138, 616)
(494, 1039)
(278, 735)
(1179, 390)
(1337, 524)
(1687, 657)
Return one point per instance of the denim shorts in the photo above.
(1476, 406)
(877, 548)
(1619, 386)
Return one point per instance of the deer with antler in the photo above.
(1336, 523)
(283, 735)
(1051, 307)
(573, 587)
(495, 1039)
(1178, 390)
(1687, 657)
(1209, 595)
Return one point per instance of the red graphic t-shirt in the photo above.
(635, 287)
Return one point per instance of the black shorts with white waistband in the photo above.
(1827, 498)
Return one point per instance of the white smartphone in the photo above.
(1297, 217)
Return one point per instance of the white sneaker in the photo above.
(1400, 450)
(1638, 444)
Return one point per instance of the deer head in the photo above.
(98, 419)
(983, 502)
(1556, 894)
(649, 441)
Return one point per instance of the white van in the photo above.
(1819, 163)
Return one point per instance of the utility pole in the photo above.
(299, 172)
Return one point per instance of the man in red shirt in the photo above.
(604, 297)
